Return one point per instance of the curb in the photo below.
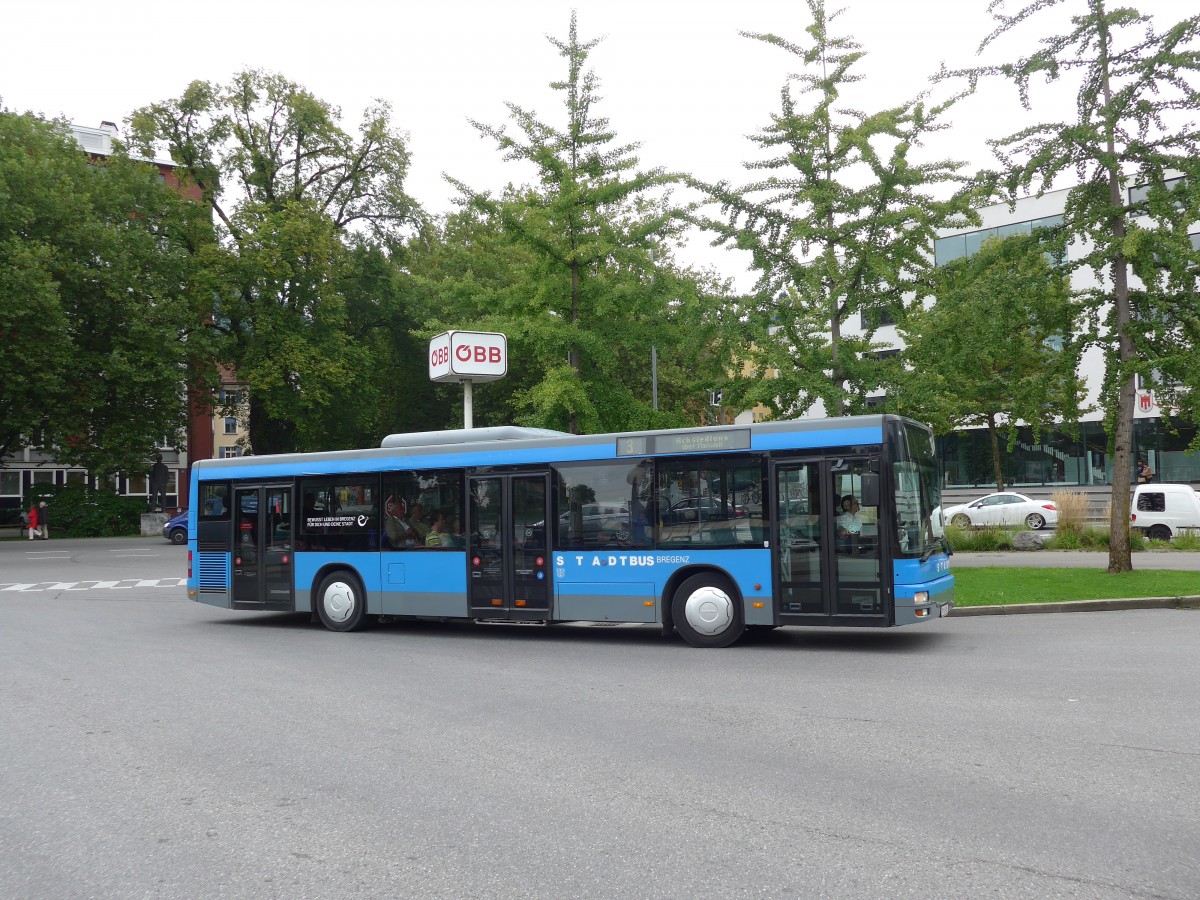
(1014, 609)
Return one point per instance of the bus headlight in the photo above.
(921, 597)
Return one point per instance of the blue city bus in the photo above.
(707, 532)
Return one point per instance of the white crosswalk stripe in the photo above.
(127, 584)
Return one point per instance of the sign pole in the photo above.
(467, 357)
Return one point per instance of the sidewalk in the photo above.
(1015, 609)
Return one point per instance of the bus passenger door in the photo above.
(262, 547)
(802, 525)
(508, 562)
(828, 545)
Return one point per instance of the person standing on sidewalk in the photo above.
(43, 520)
(31, 521)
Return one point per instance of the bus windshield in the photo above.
(918, 491)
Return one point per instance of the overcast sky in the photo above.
(675, 76)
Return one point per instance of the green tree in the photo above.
(295, 196)
(838, 223)
(98, 300)
(591, 285)
(1135, 90)
(998, 347)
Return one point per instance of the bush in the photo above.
(79, 511)
(980, 539)
(1092, 539)
(1186, 541)
(1072, 511)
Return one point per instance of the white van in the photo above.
(1164, 510)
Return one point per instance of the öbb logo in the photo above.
(468, 353)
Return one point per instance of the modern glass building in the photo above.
(1060, 458)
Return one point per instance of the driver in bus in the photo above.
(849, 525)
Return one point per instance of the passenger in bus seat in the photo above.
(437, 536)
(453, 536)
(396, 527)
(418, 527)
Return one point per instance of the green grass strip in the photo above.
(997, 586)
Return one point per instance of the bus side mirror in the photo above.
(870, 489)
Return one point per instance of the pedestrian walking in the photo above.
(43, 518)
(31, 521)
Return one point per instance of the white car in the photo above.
(1004, 508)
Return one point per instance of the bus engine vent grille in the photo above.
(212, 571)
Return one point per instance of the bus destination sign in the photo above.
(713, 441)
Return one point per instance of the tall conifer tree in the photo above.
(594, 288)
(1133, 132)
(839, 223)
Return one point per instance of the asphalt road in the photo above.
(150, 746)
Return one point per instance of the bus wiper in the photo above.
(943, 543)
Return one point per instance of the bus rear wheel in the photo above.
(341, 602)
(706, 611)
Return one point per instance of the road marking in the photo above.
(122, 585)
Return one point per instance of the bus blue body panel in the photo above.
(934, 578)
(393, 581)
(424, 584)
(617, 585)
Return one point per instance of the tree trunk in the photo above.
(1119, 559)
(997, 469)
(573, 353)
(267, 434)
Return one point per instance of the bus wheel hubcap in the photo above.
(339, 601)
(709, 610)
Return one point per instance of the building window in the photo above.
(43, 477)
(1156, 380)
(957, 246)
(10, 484)
(77, 478)
(1140, 193)
(231, 452)
(231, 396)
(873, 317)
(231, 425)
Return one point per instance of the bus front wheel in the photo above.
(706, 612)
(341, 602)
